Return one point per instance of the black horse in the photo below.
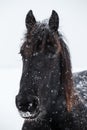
(48, 98)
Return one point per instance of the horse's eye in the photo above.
(50, 47)
(21, 52)
(25, 51)
(38, 46)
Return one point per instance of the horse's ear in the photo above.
(30, 20)
(54, 21)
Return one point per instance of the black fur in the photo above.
(50, 95)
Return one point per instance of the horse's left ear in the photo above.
(30, 20)
(54, 21)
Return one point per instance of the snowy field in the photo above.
(9, 85)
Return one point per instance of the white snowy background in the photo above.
(73, 25)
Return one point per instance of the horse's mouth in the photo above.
(30, 116)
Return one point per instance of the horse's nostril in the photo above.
(27, 104)
(33, 105)
(20, 103)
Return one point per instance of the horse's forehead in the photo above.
(46, 23)
(42, 25)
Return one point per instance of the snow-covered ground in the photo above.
(9, 85)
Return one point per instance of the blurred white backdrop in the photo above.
(73, 25)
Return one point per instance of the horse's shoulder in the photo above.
(80, 84)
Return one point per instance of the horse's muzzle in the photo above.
(27, 106)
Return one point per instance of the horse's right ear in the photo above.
(30, 20)
(54, 21)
